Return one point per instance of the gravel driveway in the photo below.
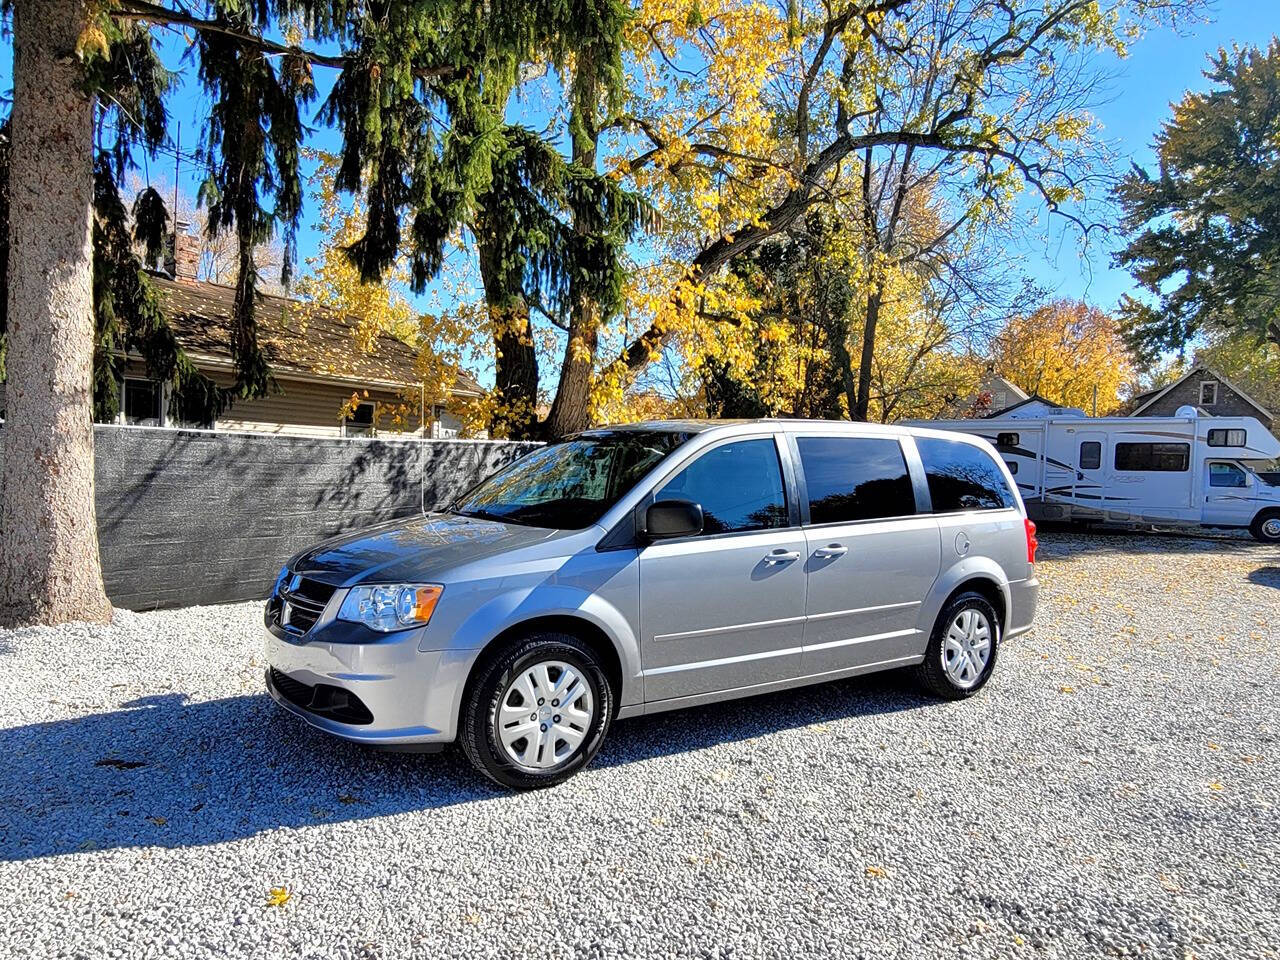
(1112, 792)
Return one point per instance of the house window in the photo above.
(1090, 455)
(140, 402)
(359, 423)
(1227, 438)
(1153, 457)
(1208, 393)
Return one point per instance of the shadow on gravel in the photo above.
(1061, 541)
(164, 772)
(1266, 577)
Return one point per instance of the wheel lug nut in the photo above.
(544, 728)
(555, 703)
(556, 718)
(541, 701)
(533, 716)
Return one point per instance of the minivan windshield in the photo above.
(571, 484)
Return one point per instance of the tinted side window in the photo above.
(1090, 455)
(739, 486)
(962, 476)
(1153, 457)
(855, 478)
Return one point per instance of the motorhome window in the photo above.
(962, 477)
(1013, 467)
(1090, 455)
(1007, 439)
(1153, 457)
(855, 478)
(1208, 393)
(1226, 475)
(1227, 438)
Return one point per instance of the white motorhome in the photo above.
(1182, 470)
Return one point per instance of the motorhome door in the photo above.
(1091, 463)
(1229, 498)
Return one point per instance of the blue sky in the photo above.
(1161, 66)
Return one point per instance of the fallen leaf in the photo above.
(1066, 689)
(119, 764)
(159, 821)
(348, 798)
(874, 871)
(1215, 785)
(278, 896)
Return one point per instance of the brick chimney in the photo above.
(182, 261)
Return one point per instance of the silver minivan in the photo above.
(633, 569)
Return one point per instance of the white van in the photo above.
(1183, 470)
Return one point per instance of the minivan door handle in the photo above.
(782, 556)
(831, 550)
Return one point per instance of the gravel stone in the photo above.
(1112, 793)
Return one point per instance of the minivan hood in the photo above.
(413, 549)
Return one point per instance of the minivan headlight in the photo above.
(393, 606)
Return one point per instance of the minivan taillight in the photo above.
(1032, 542)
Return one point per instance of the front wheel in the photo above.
(537, 713)
(1266, 526)
(962, 648)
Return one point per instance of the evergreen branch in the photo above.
(143, 12)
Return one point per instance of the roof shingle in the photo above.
(294, 337)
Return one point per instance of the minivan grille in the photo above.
(300, 603)
(329, 701)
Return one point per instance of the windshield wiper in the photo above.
(494, 517)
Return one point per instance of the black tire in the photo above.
(478, 733)
(1262, 525)
(932, 673)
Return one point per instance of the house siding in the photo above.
(1187, 393)
(303, 408)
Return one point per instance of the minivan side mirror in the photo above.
(673, 518)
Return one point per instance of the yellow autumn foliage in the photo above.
(1064, 352)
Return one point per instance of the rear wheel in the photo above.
(537, 712)
(1266, 526)
(962, 649)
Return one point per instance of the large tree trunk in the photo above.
(49, 566)
(859, 410)
(515, 360)
(571, 410)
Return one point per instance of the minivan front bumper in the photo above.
(413, 696)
